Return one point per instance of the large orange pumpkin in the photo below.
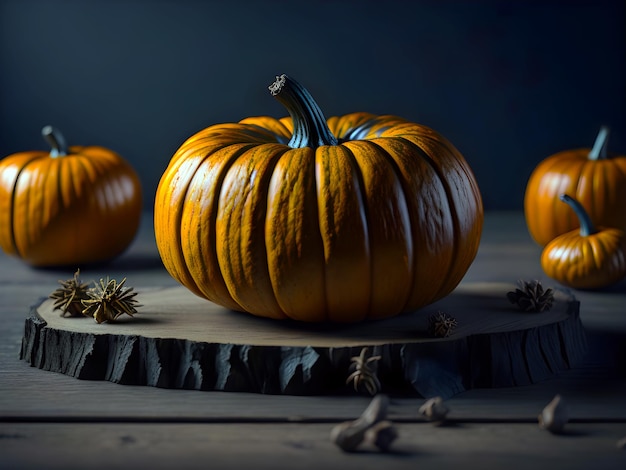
(358, 217)
(67, 207)
(596, 179)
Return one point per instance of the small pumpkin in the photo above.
(585, 258)
(593, 177)
(358, 217)
(68, 206)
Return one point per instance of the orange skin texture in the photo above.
(599, 185)
(80, 208)
(365, 229)
(586, 262)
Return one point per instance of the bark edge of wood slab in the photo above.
(180, 341)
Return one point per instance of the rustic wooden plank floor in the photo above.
(295, 446)
(48, 420)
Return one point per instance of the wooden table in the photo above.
(50, 420)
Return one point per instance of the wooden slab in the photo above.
(178, 340)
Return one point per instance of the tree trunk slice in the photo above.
(178, 340)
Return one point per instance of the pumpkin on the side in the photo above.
(68, 206)
(585, 258)
(594, 177)
(358, 217)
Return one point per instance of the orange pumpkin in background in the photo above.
(587, 258)
(67, 207)
(358, 217)
(596, 179)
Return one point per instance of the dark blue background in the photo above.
(508, 82)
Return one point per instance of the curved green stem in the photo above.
(586, 225)
(309, 125)
(598, 152)
(56, 141)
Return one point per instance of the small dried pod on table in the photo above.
(554, 416)
(587, 258)
(69, 206)
(349, 435)
(434, 410)
(381, 435)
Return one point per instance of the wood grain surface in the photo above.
(52, 420)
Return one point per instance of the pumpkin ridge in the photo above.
(609, 244)
(172, 257)
(234, 256)
(609, 188)
(29, 228)
(340, 126)
(367, 219)
(192, 246)
(361, 196)
(29, 197)
(281, 139)
(445, 287)
(178, 270)
(14, 199)
(96, 163)
(361, 131)
(451, 280)
(68, 193)
(411, 262)
(8, 237)
(92, 173)
(386, 234)
(567, 219)
(294, 242)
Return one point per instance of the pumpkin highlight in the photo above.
(355, 217)
(67, 207)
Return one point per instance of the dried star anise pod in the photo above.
(363, 374)
(441, 324)
(68, 298)
(530, 296)
(110, 299)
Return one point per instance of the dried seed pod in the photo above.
(349, 435)
(554, 416)
(434, 409)
(441, 324)
(530, 296)
(68, 298)
(109, 300)
(364, 375)
(381, 435)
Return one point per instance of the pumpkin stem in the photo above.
(309, 125)
(598, 152)
(586, 225)
(56, 141)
